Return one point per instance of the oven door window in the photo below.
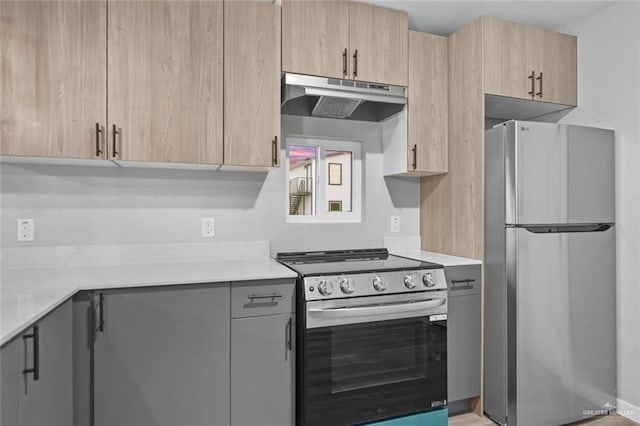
(375, 370)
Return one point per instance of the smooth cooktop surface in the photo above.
(349, 262)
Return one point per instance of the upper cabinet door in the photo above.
(559, 83)
(251, 83)
(53, 80)
(511, 58)
(165, 81)
(526, 62)
(315, 37)
(378, 44)
(428, 104)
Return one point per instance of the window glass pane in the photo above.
(338, 181)
(302, 170)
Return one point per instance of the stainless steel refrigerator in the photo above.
(550, 293)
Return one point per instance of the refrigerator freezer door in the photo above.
(559, 174)
(565, 341)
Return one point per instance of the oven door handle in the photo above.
(382, 309)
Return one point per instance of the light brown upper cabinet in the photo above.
(559, 84)
(343, 39)
(315, 37)
(165, 81)
(427, 120)
(526, 62)
(512, 53)
(378, 44)
(415, 141)
(251, 83)
(53, 80)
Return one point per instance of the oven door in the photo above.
(373, 358)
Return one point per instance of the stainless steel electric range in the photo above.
(372, 336)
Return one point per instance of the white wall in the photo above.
(86, 205)
(609, 96)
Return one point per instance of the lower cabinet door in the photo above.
(49, 399)
(9, 379)
(464, 347)
(262, 371)
(162, 357)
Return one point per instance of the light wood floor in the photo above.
(471, 419)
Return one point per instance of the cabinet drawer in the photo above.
(463, 280)
(255, 298)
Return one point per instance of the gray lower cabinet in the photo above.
(9, 378)
(464, 332)
(161, 356)
(263, 354)
(44, 352)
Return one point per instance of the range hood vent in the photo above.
(344, 99)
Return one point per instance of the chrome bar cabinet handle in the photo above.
(265, 296)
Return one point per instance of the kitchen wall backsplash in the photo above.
(88, 205)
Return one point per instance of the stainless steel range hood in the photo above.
(345, 99)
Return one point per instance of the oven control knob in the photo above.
(347, 286)
(325, 288)
(428, 280)
(378, 284)
(408, 282)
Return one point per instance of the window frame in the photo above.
(321, 176)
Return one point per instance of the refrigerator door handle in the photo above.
(557, 229)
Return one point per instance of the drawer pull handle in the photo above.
(468, 283)
(265, 296)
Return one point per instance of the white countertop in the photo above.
(42, 289)
(442, 259)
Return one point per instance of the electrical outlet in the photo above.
(26, 230)
(208, 227)
(395, 224)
